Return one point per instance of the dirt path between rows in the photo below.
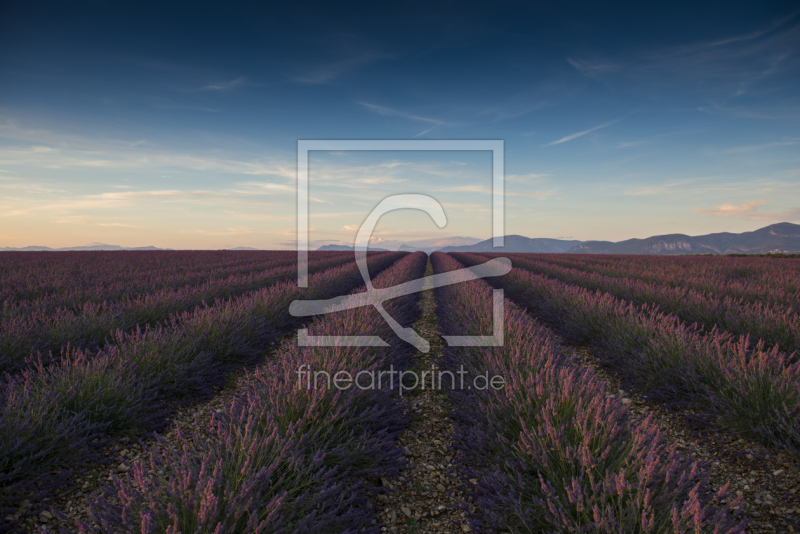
(429, 497)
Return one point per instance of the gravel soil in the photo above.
(429, 497)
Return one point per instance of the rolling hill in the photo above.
(776, 238)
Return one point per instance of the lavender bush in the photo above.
(744, 385)
(777, 323)
(85, 397)
(551, 452)
(282, 458)
(743, 278)
(90, 324)
(54, 280)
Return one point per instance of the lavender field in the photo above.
(167, 392)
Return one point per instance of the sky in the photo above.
(176, 124)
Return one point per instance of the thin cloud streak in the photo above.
(325, 73)
(526, 178)
(753, 148)
(726, 68)
(581, 134)
(380, 110)
(225, 86)
(428, 130)
(594, 69)
(714, 185)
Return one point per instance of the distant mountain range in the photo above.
(776, 238)
(93, 246)
(343, 247)
(431, 245)
(425, 245)
(96, 246)
(518, 243)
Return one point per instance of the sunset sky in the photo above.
(142, 124)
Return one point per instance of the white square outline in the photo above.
(304, 146)
(495, 146)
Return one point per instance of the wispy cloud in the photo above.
(594, 68)
(155, 64)
(629, 144)
(165, 194)
(225, 86)
(125, 157)
(79, 205)
(342, 175)
(428, 130)
(327, 72)
(241, 230)
(768, 112)
(750, 210)
(487, 191)
(789, 215)
(526, 178)
(166, 103)
(475, 188)
(467, 206)
(27, 186)
(777, 23)
(726, 210)
(753, 148)
(581, 134)
(268, 187)
(539, 195)
(381, 110)
(388, 112)
(379, 180)
(94, 223)
(727, 67)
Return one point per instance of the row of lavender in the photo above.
(55, 334)
(749, 279)
(757, 270)
(55, 417)
(742, 385)
(69, 279)
(775, 324)
(288, 454)
(550, 451)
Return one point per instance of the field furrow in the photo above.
(749, 279)
(776, 324)
(741, 385)
(550, 451)
(55, 418)
(287, 453)
(51, 336)
(637, 395)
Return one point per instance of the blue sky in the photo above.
(176, 125)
